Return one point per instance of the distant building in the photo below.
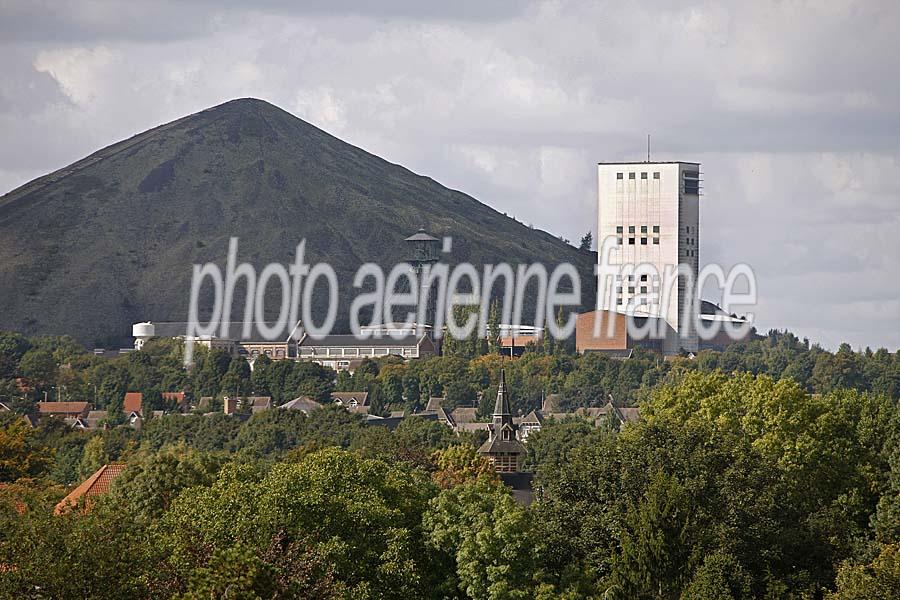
(355, 402)
(251, 346)
(71, 410)
(652, 211)
(337, 351)
(502, 447)
(303, 404)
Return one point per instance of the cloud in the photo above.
(792, 109)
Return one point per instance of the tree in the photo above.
(879, 580)
(39, 367)
(587, 240)
(487, 538)
(20, 454)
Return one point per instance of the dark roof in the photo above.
(235, 331)
(520, 484)
(351, 341)
(302, 403)
(501, 405)
(362, 398)
(421, 236)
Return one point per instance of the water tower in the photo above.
(425, 250)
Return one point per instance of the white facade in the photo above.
(652, 211)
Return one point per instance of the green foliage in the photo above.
(21, 455)
(478, 528)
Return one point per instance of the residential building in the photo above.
(71, 410)
(95, 485)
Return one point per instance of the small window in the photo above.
(631, 241)
(619, 240)
(643, 278)
(643, 289)
(643, 229)
(631, 176)
(656, 175)
(643, 241)
(656, 229)
(656, 241)
(618, 229)
(631, 229)
(631, 289)
(643, 176)
(620, 175)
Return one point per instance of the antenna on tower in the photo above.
(648, 147)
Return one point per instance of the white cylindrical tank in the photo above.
(143, 330)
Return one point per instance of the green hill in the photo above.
(110, 240)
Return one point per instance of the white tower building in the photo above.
(652, 210)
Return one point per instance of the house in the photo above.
(71, 410)
(502, 447)
(93, 420)
(355, 402)
(132, 403)
(260, 403)
(95, 485)
(176, 398)
(339, 351)
(302, 403)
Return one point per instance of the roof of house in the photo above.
(473, 426)
(95, 485)
(51, 408)
(534, 416)
(434, 403)
(133, 401)
(464, 414)
(177, 396)
(302, 403)
(362, 398)
(261, 401)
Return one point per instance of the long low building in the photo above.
(339, 351)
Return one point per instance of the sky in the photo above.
(792, 107)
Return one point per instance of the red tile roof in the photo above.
(133, 402)
(95, 485)
(63, 408)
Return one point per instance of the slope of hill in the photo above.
(111, 239)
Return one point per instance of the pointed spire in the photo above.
(501, 407)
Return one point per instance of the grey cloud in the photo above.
(793, 110)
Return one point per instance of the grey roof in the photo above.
(351, 341)
(421, 236)
(302, 403)
(235, 331)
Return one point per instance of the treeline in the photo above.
(730, 486)
(466, 376)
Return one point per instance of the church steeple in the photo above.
(502, 447)
(502, 413)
